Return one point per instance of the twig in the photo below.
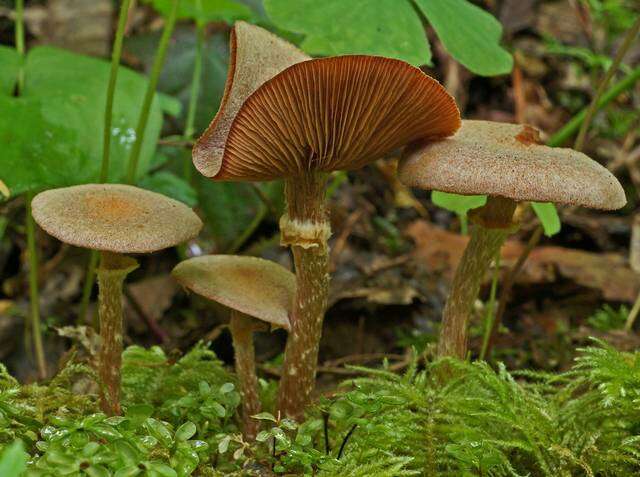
(156, 329)
(507, 286)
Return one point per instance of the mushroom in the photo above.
(507, 163)
(256, 291)
(307, 119)
(115, 220)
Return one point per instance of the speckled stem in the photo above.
(306, 208)
(485, 242)
(111, 275)
(242, 329)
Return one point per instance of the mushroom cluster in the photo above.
(287, 116)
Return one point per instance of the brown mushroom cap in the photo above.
(256, 56)
(251, 285)
(507, 160)
(282, 116)
(115, 218)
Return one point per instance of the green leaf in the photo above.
(10, 61)
(205, 11)
(459, 204)
(186, 431)
(13, 460)
(548, 215)
(158, 430)
(169, 184)
(337, 27)
(264, 416)
(470, 34)
(51, 136)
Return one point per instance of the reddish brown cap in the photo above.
(251, 285)
(507, 160)
(256, 56)
(114, 217)
(323, 115)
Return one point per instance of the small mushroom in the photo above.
(256, 291)
(116, 220)
(507, 163)
(284, 116)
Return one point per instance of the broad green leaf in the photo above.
(337, 27)
(204, 11)
(548, 215)
(13, 460)
(459, 204)
(9, 66)
(470, 34)
(51, 136)
(167, 183)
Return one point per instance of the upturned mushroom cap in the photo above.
(251, 285)
(256, 56)
(115, 218)
(325, 114)
(507, 160)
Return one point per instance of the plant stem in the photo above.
(491, 306)
(20, 43)
(151, 91)
(593, 107)
(32, 253)
(560, 137)
(196, 79)
(483, 246)
(241, 327)
(306, 230)
(112, 272)
(116, 54)
(34, 295)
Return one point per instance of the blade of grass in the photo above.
(34, 293)
(189, 129)
(116, 55)
(158, 62)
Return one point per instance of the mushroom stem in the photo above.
(112, 272)
(242, 328)
(305, 228)
(493, 223)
